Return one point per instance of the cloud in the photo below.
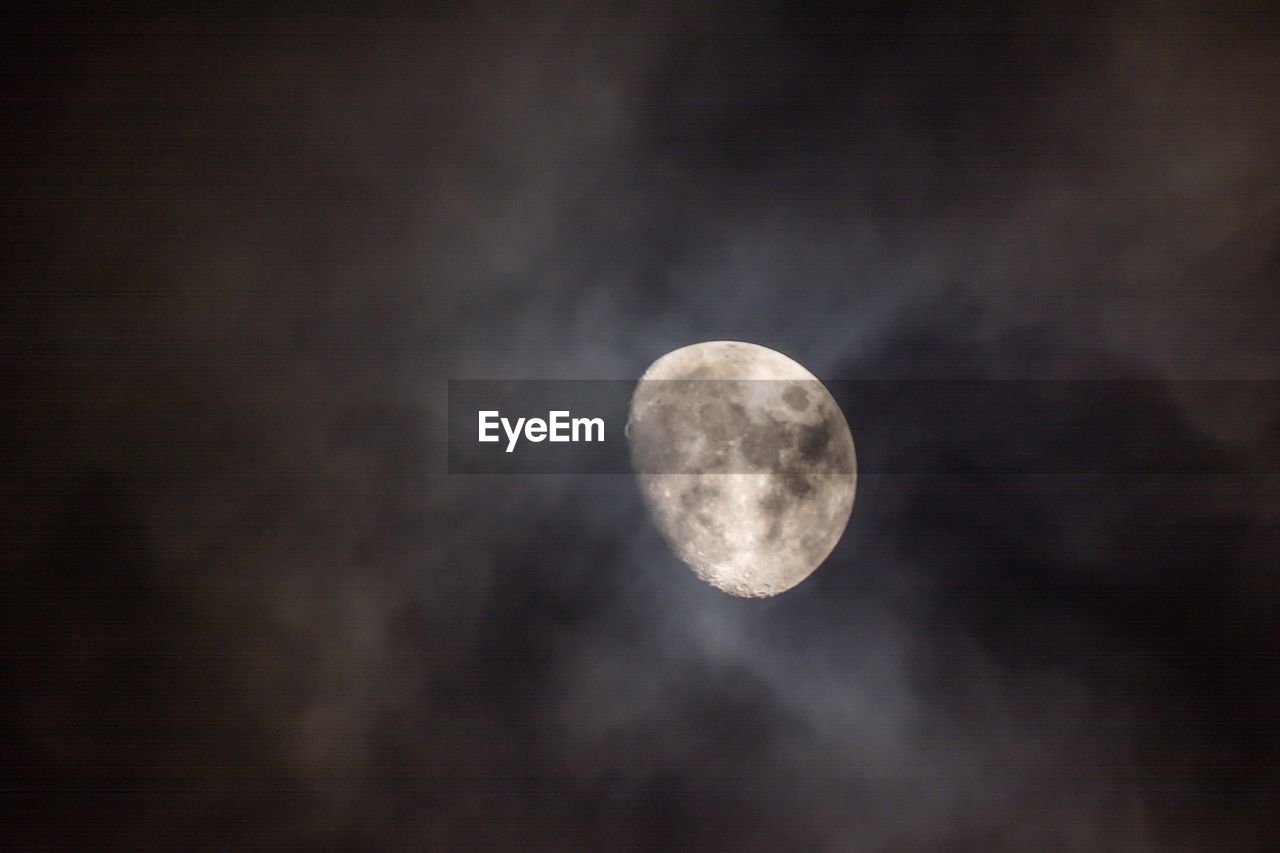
(255, 610)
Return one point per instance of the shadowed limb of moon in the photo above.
(745, 462)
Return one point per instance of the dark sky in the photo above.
(245, 605)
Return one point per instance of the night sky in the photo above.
(246, 605)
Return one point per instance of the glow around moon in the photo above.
(746, 464)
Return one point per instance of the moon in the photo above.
(745, 462)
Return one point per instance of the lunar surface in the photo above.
(745, 462)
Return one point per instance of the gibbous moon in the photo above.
(745, 462)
